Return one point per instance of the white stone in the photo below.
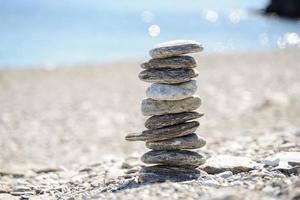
(222, 163)
(159, 91)
(272, 161)
(297, 132)
(225, 174)
(283, 159)
(211, 183)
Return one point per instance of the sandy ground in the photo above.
(70, 117)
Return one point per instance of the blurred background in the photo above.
(35, 33)
(69, 91)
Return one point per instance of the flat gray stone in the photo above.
(168, 75)
(222, 163)
(173, 62)
(183, 158)
(191, 141)
(159, 121)
(165, 133)
(160, 173)
(175, 48)
(158, 91)
(153, 107)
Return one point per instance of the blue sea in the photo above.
(35, 33)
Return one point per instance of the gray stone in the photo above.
(153, 107)
(160, 173)
(173, 62)
(222, 163)
(159, 121)
(184, 158)
(168, 75)
(165, 133)
(191, 141)
(175, 48)
(158, 91)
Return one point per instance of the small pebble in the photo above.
(211, 183)
(225, 174)
(297, 132)
(272, 161)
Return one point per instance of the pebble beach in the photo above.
(62, 130)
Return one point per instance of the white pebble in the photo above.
(211, 183)
(225, 174)
(271, 161)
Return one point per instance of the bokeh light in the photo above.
(154, 30)
(211, 15)
(147, 16)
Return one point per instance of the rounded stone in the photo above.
(173, 62)
(168, 75)
(222, 163)
(161, 173)
(159, 121)
(175, 48)
(191, 141)
(165, 133)
(153, 107)
(188, 159)
(158, 91)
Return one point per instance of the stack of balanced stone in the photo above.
(171, 103)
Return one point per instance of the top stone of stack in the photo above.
(175, 48)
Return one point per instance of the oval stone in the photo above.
(235, 164)
(175, 48)
(158, 91)
(173, 62)
(153, 107)
(191, 141)
(168, 75)
(162, 173)
(184, 158)
(159, 121)
(165, 133)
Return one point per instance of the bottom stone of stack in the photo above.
(176, 158)
(161, 173)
